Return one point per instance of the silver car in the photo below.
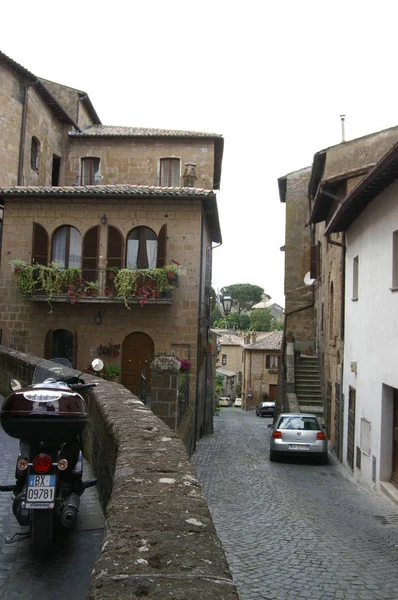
(298, 434)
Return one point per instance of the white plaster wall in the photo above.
(371, 331)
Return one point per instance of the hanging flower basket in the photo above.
(166, 363)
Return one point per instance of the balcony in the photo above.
(39, 283)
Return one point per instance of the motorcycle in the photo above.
(48, 417)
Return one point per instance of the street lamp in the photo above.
(218, 348)
(227, 302)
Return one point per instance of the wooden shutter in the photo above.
(267, 361)
(315, 256)
(162, 246)
(115, 248)
(40, 245)
(90, 254)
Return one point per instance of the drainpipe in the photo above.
(198, 335)
(23, 133)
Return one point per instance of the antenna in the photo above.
(342, 117)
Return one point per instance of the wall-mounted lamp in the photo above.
(218, 348)
(227, 302)
(104, 220)
(98, 318)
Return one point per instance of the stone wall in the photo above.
(160, 540)
(298, 318)
(137, 161)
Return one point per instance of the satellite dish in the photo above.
(307, 279)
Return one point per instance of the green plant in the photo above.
(112, 271)
(265, 396)
(142, 284)
(290, 336)
(91, 286)
(18, 264)
(110, 371)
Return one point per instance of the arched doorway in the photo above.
(138, 353)
(60, 343)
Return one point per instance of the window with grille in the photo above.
(90, 171)
(170, 172)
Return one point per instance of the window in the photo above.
(170, 172)
(55, 170)
(355, 272)
(395, 259)
(224, 359)
(34, 154)
(145, 250)
(67, 247)
(90, 174)
(271, 361)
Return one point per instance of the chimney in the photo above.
(189, 176)
(342, 117)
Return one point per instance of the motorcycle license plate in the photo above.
(41, 491)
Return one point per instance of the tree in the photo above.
(244, 295)
(215, 316)
(262, 320)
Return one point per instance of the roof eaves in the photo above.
(85, 99)
(377, 179)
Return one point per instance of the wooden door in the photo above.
(351, 427)
(394, 474)
(272, 393)
(138, 353)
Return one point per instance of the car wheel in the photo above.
(272, 456)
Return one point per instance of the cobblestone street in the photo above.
(294, 530)
(64, 574)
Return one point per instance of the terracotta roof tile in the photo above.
(119, 131)
(273, 341)
(106, 190)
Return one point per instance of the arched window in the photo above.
(145, 250)
(34, 154)
(142, 249)
(67, 247)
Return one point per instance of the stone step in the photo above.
(316, 410)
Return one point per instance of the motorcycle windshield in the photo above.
(50, 369)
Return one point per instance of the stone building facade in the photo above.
(299, 307)
(335, 171)
(261, 361)
(102, 196)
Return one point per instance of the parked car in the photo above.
(224, 401)
(298, 434)
(238, 402)
(265, 409)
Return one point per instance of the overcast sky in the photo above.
(272, 77)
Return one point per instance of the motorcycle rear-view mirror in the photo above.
(97, 364)
(15, 385)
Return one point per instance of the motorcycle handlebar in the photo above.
(81, 386)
